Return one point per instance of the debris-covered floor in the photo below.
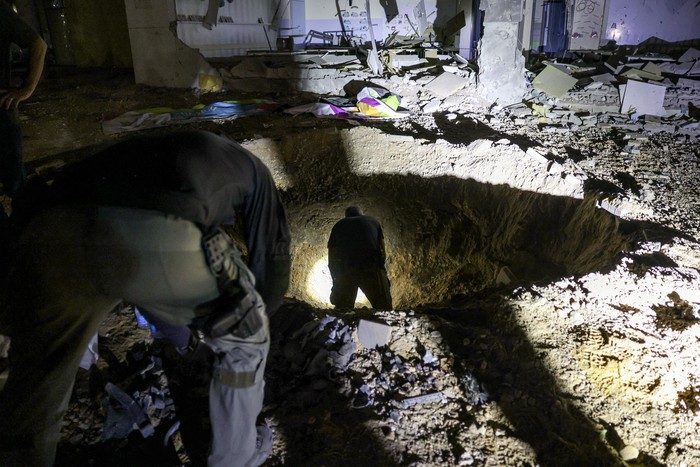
(542, 256)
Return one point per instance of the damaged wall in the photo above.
(670, 20)
(628, 22)
(466, 42)
(401, 16)
(228, 30)
(632, 22)
(193, 32)
(239, 26)
(160, 58)
(425, 18)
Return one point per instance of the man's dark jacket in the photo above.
(356, 243)
(196, 175)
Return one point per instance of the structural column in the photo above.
(501, 62)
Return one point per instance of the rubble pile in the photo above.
(629, 156)
(398, 377)
(631, 94)
(121, 411)
(434, 386)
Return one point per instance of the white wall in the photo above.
(244, 32)
(321, 15)
(160, 58)
(637, 20)
(237, 29)
(164, 58)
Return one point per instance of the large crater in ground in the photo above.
(460, 237)
(457, 219)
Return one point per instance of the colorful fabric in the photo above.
(371, 103)
(375, 102)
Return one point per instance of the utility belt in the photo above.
(238, 310)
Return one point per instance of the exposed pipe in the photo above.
(373, 58)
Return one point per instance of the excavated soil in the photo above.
(546, 312)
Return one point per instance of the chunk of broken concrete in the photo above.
(423, 399)
(372, 334)
(653, 68)
(690, 55)
(537, 155)
(642, 98)
(633, 72)
(432, 106)
(629, 453)
(404, 60)
(505, 276)
(446, 84)
(676, 68)
(695, 70)
(553, 81)
(604, 78)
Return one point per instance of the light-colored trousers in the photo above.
(76, 265)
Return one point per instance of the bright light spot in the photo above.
(319, 282)
(319, 285)
(614, 32)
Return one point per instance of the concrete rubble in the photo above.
(583, 101)
(396, 376)
(627, 99)
(394, 383)
(626, 93)
(372, 335)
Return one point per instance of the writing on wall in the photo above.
(587, 24)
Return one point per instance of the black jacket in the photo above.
(356, 243)
(196, 175)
